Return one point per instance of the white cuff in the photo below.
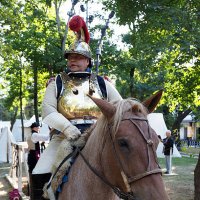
(36, 137)
(57, 121)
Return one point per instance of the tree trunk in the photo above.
(63, 37)
(197, 181)
(13, 119)
(179, 119)
(176, 126)
(131, 75)
(21, 105)
(35, 71)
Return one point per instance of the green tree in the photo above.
(164, 41)
(30, 28)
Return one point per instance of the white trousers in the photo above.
(48, 157)
(168, 160)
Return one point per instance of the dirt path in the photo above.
(5, 186)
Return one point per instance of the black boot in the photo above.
(37, 182)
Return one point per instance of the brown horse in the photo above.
(119, 156)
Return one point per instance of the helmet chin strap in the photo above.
(88, 70)
(67, 70)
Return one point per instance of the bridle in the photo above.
(129, 195)
(150, 146)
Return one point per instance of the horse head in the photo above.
(128, 156)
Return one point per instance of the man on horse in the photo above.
(66, 106)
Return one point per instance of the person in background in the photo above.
(34, 145)
(168, 143)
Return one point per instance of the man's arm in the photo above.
(36, 137)
(53, 118)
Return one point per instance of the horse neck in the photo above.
(89, 185)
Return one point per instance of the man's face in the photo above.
(168, 134)
(37, 129)
(77, 62)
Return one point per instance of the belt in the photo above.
(83, 121)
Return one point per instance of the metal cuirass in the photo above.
(74, 102)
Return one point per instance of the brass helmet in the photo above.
(81, 45)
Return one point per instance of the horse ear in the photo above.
(106, 108)
(152, 102)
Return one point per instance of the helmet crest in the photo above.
(78, 25)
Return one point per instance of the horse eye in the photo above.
(123, 143)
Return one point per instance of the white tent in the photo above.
(17, 128)
(157, 122)
(6, 138)
(5, 124)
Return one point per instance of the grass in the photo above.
(179, 162)
(190, 150)
(180, 185)
(4, 169)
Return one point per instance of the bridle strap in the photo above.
(124, 176)
(140, 176)
(149, 143)
(116, 190)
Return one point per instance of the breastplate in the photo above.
(74, 102)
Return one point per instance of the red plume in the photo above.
(76, 23)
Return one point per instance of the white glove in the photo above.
(59, 122)
(72, 132)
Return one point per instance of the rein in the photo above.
(116, 190)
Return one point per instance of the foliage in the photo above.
(30, 41)
(164, 45)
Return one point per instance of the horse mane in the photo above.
(122, 106)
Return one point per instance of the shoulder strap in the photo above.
(102, 86)
(59, 79)
(58, 85)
